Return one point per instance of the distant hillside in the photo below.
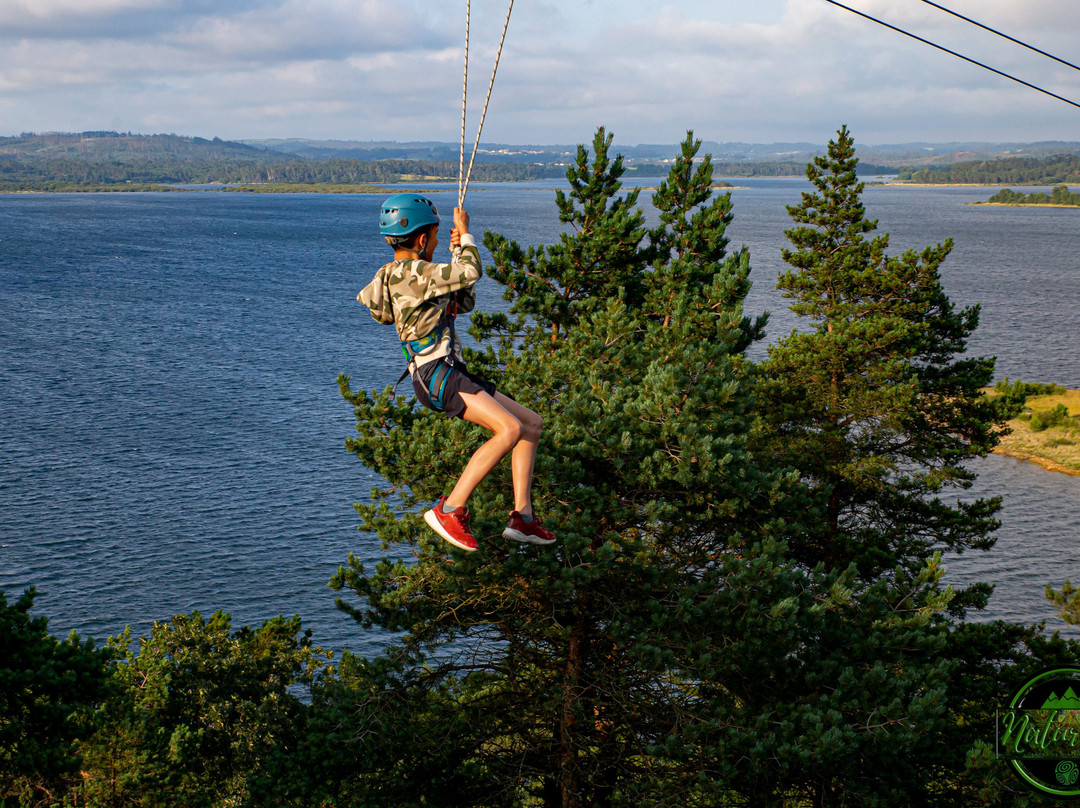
(122, 147)
(531, 153)
(55, 161)
(92, 160)
(643, 160)
(105, 147)
(920, 155)
(734, 153)
(1061, 168)
(97, 160)
(429, 151)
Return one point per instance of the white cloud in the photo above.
(331, 28)
(14, 11)
(786, 69)
(809, 70)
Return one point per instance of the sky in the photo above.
(759, 71)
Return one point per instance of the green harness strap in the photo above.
(436, 386)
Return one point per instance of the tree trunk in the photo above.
(572, 708)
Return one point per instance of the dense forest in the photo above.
(1062, 168)
(68, 173)
(56, 173)
(745, 606)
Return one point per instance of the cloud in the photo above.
(85, 19)
(133, 43)
(811, 69)
(298, 29)
(13, 12)
(373, 69)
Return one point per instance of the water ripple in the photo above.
(172, 434)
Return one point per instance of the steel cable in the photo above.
(954, 53)
(1000, 34)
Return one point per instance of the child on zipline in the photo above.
(422, 299)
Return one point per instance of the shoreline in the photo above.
(1023, 205)
(1044, 462)
(1055, 444)
(304, 188)
(900, 184)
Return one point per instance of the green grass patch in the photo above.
(1045, 429)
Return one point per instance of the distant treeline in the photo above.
(1062, 168)
(61, 173)
(752, 168)
(20, 174)
(1061, 195)
(45, 162)
(763, 168)
(107, 160)
(106, 147)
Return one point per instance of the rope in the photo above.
(464, 98)
(463, 180)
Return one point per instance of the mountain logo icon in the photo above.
(1070, 701)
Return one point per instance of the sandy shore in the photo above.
(1056, 448)
(1046, 463)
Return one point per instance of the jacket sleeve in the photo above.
(461, 273)
(466, 299)
(377, 298)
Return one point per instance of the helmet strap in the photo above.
(419, 253)
(427, 240)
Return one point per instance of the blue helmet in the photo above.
(406, 213)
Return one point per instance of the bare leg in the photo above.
(524, 456)
(515, 428)
(482, 409)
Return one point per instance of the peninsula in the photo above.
(1045, 431)
(1060, 197)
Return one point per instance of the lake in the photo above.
(172, 434)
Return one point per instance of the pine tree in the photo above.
(201, 715)
(623, 665)
(875, 405)
(695, 636)
(873, 401)
(48, 688)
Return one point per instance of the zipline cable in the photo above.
(1000, 34)
(463, 181)
(954, 53)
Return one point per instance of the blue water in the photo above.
(172, 436)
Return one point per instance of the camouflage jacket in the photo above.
(414, 295)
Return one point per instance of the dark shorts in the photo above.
(459, 381)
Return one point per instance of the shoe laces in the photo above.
(461, 516)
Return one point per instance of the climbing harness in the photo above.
(435, 384)
(463, 175)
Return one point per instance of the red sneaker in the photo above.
(529, 532)
(454, 527)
